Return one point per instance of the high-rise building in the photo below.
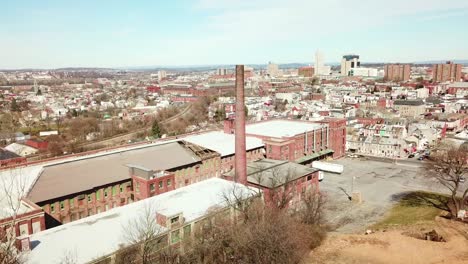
(348, 62)
(161, 75)
(446, 72)
(397, 72)
(320, 68)
(221, 71)
(272, 69)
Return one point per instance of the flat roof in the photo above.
(273, 173)
(81, 175)
(18, 182)
(222, 143)
(281, 128)
(99, 235)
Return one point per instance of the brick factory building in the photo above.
(280, 180)
(301, 141)
(77, 189)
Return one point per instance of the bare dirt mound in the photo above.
(395, 246)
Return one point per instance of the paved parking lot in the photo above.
(379, 183)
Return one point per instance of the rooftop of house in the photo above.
(107, 229)
(221, 142)
(6, 154)
(281, 128)
(274, 173)
(81, 175)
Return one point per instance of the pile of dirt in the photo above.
(396, 246)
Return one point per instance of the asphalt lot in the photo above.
(379, 181)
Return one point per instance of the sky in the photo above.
(132, 33)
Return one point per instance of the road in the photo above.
(380, 183)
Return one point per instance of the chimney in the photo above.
(241, 160)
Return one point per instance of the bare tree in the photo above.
(13, 188)
(448, 166)
(312, 207)
(267, 236)
(69, 257)
(145, 234)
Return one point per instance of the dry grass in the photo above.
(413, 208)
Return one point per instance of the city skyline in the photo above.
(52, 34)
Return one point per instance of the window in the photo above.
(107, 207)
(175, 220)
(89, 197)
(62, 205)
(122, 188)
(23, 229)
(98, 209)
(98, 195)
(72, 203)
(36, 227)
(175, 236)
(152, 187)
(309, 177)
(160, 185)
(187, 231)
(105, 193)
(114, 205)
(168, 182)
(187, 182)
(90, 211)
(114, 190)
(137, 187)
(52, 208)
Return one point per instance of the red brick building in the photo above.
(28, 220)
(301, 141)
(446, 72)
(397, 72)
(307, 71)
(280, 181)
(37, 143)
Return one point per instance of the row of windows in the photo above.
(88, 197)
(160, 185)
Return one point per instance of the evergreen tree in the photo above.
(14, 105)
(155, 130)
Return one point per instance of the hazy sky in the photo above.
(112, 33)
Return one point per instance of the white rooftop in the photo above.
(222, 143)
(99, 235)
(280, 128)
(14, 184)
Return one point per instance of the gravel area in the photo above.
(380, 183)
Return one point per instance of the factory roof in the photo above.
(222, 143)
(107, 229)
(274, 173)
(281, 128)
(82, 175)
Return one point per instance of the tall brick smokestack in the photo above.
(241, 160)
